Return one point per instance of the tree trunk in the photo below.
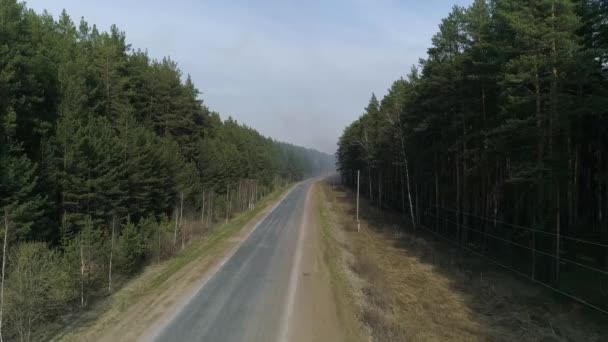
(203, 212)
(211, 204)
(554, 80)
(238, 197)
(4, 244)
(175, 230)
(533, 255)
(558, 235)
(417, 211)
(181, 225)
(539, 119)
(227, 199)
(436, 194)
(407, 179)
(569, 187)
(159, 245)
(82, 269)
(409, 193)
(380, 188)
(111, 254)
(369, 177)
(458, 204)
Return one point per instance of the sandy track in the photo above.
(315, 314)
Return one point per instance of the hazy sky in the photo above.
(298, 71)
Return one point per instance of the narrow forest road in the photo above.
(275, 287)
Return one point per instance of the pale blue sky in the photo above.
(298, 71)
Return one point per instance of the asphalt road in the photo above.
(248, 298)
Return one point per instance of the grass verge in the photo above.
(416, 288)
(343, 293)
(213, 239)
(119, 317)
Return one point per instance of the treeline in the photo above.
(109, 160)
(309, 161)
(499, 140)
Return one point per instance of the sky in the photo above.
(297, 71)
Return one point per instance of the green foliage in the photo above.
(131, 247)
(93, 129)
(20, 197)
(97, 141)
(504, 121)
(35, 289)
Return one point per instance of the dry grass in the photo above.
(147, 300)
(414, 288)
(346, 306)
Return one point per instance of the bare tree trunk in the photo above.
(458, 204)
(203, 211)
(257, 193)
(181, 225)
(569, 185)
(248, 191)
(159, 247)
(358, 179)
(82, 268)
(227, 192)
(175, 230)
(407, 178)
(417, 212)
(238, 197)
(5, 243)
(252, 205)
(558, 236)
(111, 254)
(380, 188)
(369, 177)
(402, 189)
(533, 255)
(436, 194)
(409, 192)
(212, 208)
(539, 119)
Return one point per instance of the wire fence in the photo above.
(574, 267)
(573, 272)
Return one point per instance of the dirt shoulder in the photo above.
(139, 309)
(345, 285)
(315, 315)
(410, 287)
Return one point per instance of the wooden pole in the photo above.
(358, 178)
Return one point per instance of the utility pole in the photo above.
(358, 223)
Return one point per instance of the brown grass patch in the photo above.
(416, 288)
(333, 255)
